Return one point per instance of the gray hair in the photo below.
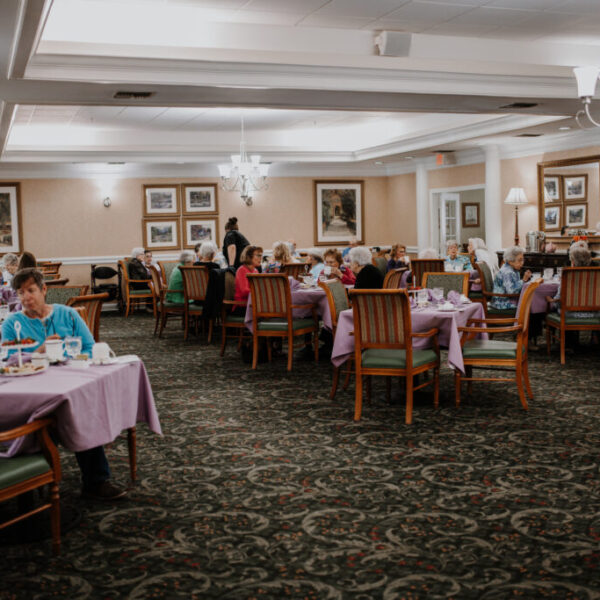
(511, 254)
(10, 259)
(477, 244)
(208, 249)
(137, 251)
(580, 256)
(186, 256)
(316, 253)
(360, 255)
(451, 243)
(428, 253)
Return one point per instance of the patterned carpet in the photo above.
(264, 488)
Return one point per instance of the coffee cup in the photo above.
(102, 353)
(55, 350)
(327, 270)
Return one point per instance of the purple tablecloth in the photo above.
(539, 304)
(300, 295)
(422, 320)
(91, 406)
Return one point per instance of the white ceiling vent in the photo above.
(393, 43)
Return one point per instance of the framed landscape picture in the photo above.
(339, 212)
(161, 234)
(551, 218)
(470, 214)
(11, 232)
(575, 187)
(196, 231)
(161, 201)
(552, 188)
(576, 215)
(200, 198)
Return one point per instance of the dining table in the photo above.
(422, 319)
(91, 406)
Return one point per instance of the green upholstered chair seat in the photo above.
(171, 305)
(384, 358)
(489, 349)
(233, 319)
(139, 292)
(475, 295)
(281, 324)
(508, 312)
(20, 468)
(555, 318)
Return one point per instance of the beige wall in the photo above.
(401, 218)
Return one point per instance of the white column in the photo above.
(493, 201)
(423, 217)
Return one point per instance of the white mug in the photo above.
(101, 352)
(55, 349)
(39, 359)
(327, 270)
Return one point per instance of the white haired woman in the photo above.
(315, 262)
(368, 276)
(10, 264)
(186, 259)
(508, 279)
(479, 251)
(455, 262)
(206, 255)
(136, 269)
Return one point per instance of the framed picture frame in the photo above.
(196, 231)
(200, 198)
(575, 187)
(161, 200)
(11, 227)
(470, 214)
(576, 215)
(552, 221)
(339, 212)
(161, 234)
(552, 188)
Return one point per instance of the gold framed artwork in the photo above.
(161, 200)
(552, 187)
(575, 187)
(11, 228)
(470, 214)
(576, 215)
(200, 198)
(196, 231)
(161, 234)
(552, 221)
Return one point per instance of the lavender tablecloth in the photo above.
(422, 320)
(301, 295)
(539, 304)
(92, 406)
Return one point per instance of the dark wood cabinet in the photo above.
(537, 261)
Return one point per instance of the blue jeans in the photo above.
(94, 466)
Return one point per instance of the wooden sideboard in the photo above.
(537, 261)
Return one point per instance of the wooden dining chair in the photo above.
(579, 292)
(27, 472)
(166, 268)
(418, 266)
(383, 344)
(295, 270)
(449, 282)
(230, 320)
(133, 297)
(195, 284)
(381, 263)
(56, 282)
(156, 286)
(93, 306)
(272, 315)
(62, 294)
(497, 354)
(337, 298)
(487, 291)
(393, 278)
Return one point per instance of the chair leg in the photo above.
(358, 393)
(348, 375)
(548, 339)
(158, 317)
(127, 304)
(562, 346)
(290, 352)
(519, 378)
(210, 331)
(526, 379)
(469, 373)
(255, 350)
(224, 340)
(409, 399)
(154, 306)
(186, 325)
(55, 518)
(436, 387)
(163, 322)
(131, 447)
(457, 382)
(334, 382)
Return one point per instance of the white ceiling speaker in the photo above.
(393, 43)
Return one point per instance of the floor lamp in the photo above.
(516, 196)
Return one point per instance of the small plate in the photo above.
(21, 346)
(442, 309)
(23, 372)
(106, 361)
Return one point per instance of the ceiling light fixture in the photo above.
(243, 175)
(586, 86)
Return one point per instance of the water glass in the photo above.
(73, 346)
(4, 311)
(559, 272)
(422, 298)
(548, 274)
(437, 294)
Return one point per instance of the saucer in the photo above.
(104, 361)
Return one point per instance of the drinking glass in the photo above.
(437, 294)
(73, 346)
(422, 298)
(4, 311)
(548, 274)
(559, 271)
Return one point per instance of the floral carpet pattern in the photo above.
(262, 487)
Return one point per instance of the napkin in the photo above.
(454, 297)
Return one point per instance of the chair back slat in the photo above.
(336, 297)
(419, 266)
(524, 306)
(381, 318)
(449, 282)
(156, 283)
(62, 294)
(393, 278)
(485, 276)
(93, 306)
(580, 289)
(56, 282)
(166, 268)
(195, 282)
(295, 270)
(229, 292)
(381, 264)
(270, 294)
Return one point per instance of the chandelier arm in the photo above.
(589, 116)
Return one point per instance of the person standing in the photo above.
(234, 243)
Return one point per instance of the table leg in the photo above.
(131, 439)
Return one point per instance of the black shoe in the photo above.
(105, 491)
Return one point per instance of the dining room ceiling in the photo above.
(167, 81)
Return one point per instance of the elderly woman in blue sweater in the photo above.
(508, 279)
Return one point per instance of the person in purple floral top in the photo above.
(508, 279)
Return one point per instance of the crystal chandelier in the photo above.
(587, 78)
(243, 175)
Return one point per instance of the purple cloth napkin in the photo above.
(454, 297)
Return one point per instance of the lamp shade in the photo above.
(516, 196)
(586, 80)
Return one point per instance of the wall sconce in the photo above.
(107, 202)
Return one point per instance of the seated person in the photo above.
(250, 258)
(295, 255)
(479, 252)
(334, 260)
(41, 322)
(353, 244)
(186, 259)
(508, 279)
(315, 262)
(136, 269)
(368, 276)
(454, 262)
(10, 264)
(149, 260)
(281, 256)
(398, 257)
(206, 253)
